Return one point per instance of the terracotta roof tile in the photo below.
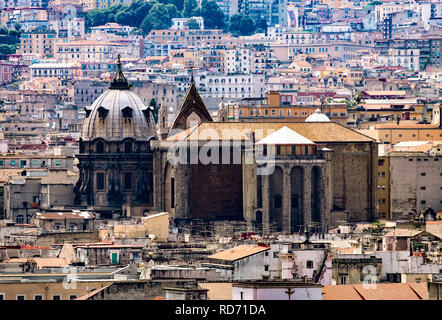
(238, 252)
(314, 131)
(380, 291)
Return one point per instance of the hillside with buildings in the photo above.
(220, 150)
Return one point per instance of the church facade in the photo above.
(324, 176)
(277, 176)
(115, 160)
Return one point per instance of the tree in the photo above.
(193, 24)
(159, 17)
(124, 18)
(95, 17)
(241, 24)
(7, 49)
(14, 33)
(179, 4)
(172, 12)
(146, 25)
(190, 8)
(3, 30)
(261, 23)
(212, 15)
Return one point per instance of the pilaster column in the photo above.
(307, 195)
(286, 204)
(265, 203)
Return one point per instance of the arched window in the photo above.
(100, 147)
(128, 147)
(278, 201)
(295, 201)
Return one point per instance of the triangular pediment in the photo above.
(192, 105)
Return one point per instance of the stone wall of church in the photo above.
(354, 179)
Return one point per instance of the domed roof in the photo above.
(317, 117)
(118, 114)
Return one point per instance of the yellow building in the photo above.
(38, 42)
(271, 109)
(393, 133)
(186, 58)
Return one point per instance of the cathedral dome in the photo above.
(118, 114)
(317, 117)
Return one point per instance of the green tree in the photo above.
(261, 23)
(159, 17)
(241, 24)
(95, 17)
(14, 33)
(190, 8)
(212, 15)
(179, 4)
(3, 30)
(139, 9)
(124, 18)
(146, 25)
(8, 39)
(7, 49)
(172, 12)
(193, 24)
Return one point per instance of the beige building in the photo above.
(155, 225)
(40, 43)
(38, 290)
(415, 177)
(392, 133)
(25, 195)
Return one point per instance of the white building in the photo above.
(276, 291)
(406, 58)
(233, 86)
(181, 23)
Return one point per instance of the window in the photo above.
(278, 149)
(343, 279)
(21, 297)
(266, 268)
(423, 174)
(38, 297)
(128, 180)
(309, 264)
(423, 202)
(56, 297)
(100, 181)
(172, 192)
(278, 201)
(100, 147)
(2, 296)
(72, 296)
(128, 147)
(423, 188)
